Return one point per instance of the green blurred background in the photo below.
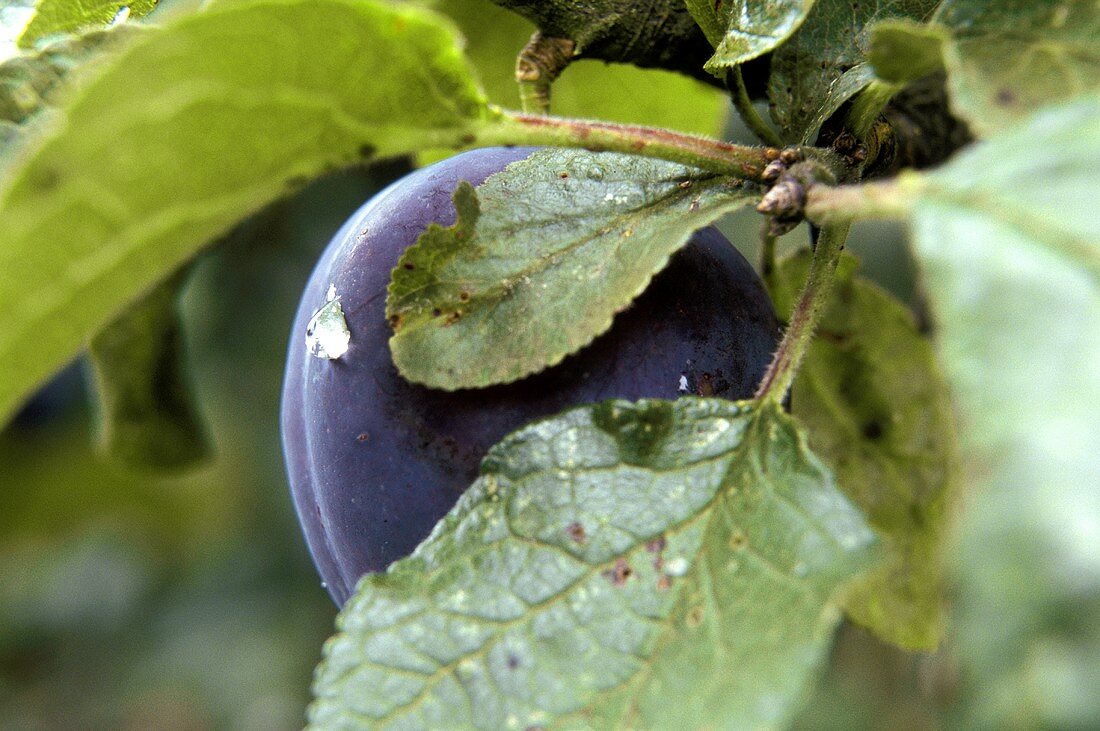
(139, 601)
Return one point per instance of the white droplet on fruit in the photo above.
(327, 334)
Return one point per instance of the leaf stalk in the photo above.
(741, 101)
(831, 205)
(538, 64)
(717, 156)
(806, 315)
(769, 242)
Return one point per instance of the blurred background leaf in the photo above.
(148, 415)
(587, 89)
(135, 601)
(877, 410)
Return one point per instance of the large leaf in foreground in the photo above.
(744, 29)
(57, 17)
(825, 63)
(540, 260)
(651, 565)
(29, 81)
(1008, 241)
(196, 126)
(877, 411)
(1007, 58)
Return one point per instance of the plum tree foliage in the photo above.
(534, 379)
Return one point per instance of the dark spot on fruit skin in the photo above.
(363, 437)
(381, 498)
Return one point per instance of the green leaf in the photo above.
(825, 63)
(655, 33)
(148, 419)
(877, 410)
(651, 565)
(540, 260)
(902, 51)
(1007, 58)
(1008, 242)
(745, 29)
(588, 89)
(57, 17)
(30, 81)
(191, 129)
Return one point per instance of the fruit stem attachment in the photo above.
(511, 128)
(806, 315)
(735, 80)
(538, 64)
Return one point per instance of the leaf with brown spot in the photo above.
(537, 265)
(607, 635)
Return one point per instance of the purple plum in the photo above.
(375, 461)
